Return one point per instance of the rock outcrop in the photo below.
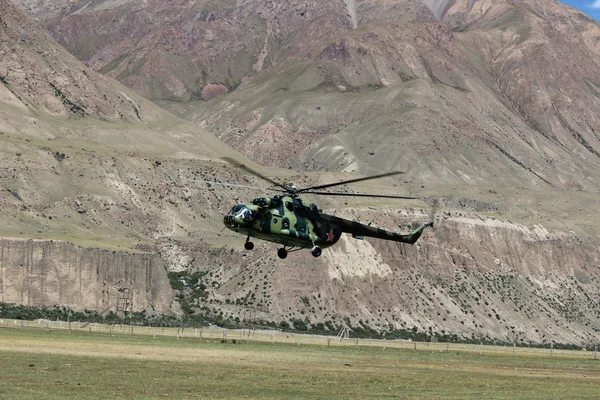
(46, 273)
(474, 277)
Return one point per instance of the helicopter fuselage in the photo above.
(293, 223)
(284, 220)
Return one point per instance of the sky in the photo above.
(589, 7)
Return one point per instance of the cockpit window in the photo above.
(245, 214)
(235, 210)
(242, 212)
(289, 205)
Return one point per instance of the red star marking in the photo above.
(329, 237)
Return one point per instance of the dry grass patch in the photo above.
(53, 364)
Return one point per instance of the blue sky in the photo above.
(589, 7)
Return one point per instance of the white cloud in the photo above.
(595, 4)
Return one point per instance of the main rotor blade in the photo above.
(254, 172)
(366, 178)
(233, 185)
(382, 196)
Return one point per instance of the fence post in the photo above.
(551, 350)
(384, 344)
(153, 333)
(447, 346)
(328, 342)
(514, 348)
(415, 346)
(595, 352)
(480, 348)
(356, 344)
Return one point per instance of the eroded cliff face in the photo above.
(46, 273)
(477, 277)
(474, 277)
(480, 278)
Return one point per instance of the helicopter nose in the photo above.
(232, 220)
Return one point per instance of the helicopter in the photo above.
(296, 224)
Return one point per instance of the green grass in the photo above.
(38, 363)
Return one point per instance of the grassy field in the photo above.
(52, 364)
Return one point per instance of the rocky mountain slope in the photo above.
(75, 148)
(516, 253)
(508, 98)
(510, 83)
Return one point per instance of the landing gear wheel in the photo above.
(282, 253)
(248, 245)
(316, 251)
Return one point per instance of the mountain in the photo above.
(478, 103)
(507, 83)
(85, 160)
(184, 51)
(511, 97)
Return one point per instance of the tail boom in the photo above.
(358, 230)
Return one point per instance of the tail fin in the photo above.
(412, 237)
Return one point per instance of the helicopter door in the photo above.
(265, 222)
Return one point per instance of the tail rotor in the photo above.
(434, 208)
(435, 224)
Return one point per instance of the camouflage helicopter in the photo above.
(297, 224)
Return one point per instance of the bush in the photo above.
(299, 325)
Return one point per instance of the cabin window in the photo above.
(289, 205)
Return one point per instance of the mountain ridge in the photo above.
(514, 254)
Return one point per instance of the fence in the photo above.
(279, 337)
